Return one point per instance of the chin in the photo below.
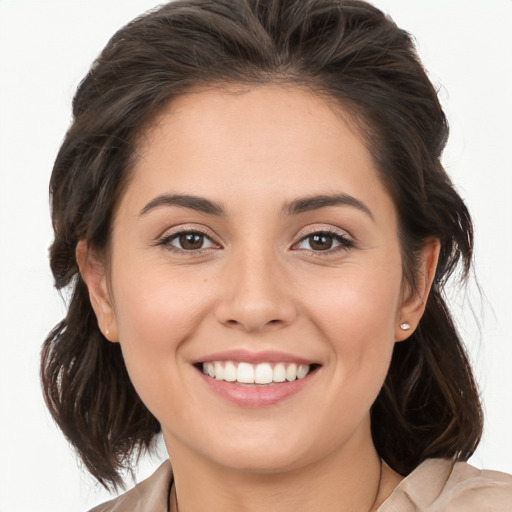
(267, 452)
(260, 461)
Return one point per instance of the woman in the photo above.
(252, 213)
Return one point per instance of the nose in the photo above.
(256, 296)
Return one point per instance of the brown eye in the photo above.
(325, 242)
(187, 241)
(191, 241)
(320, 242)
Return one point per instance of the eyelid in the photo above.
(318, 228)
(346, 241)
(171, 233)
(344, 238)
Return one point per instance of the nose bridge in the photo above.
(255, 295)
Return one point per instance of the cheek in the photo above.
(358, 306)
(356, 313)
(155, 303)
(156, 315)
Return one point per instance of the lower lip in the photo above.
(256, 395)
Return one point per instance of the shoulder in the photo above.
(150, 495)
(440, 485)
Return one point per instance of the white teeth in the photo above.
(245, 373)
(263, 373)
(219, 371)
(230, 372)
(279, 373)
(302, 371)
(291, 372)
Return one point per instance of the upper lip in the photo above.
(248, 356)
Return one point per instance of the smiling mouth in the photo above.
(262, 374)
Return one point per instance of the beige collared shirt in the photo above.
(436, 485)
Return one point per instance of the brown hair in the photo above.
(345, 49)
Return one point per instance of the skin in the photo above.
(259, 284)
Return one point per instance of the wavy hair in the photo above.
(346, 50)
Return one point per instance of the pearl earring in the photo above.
(405, 326)
(107, 332)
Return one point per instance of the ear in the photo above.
(414, 304)
(92, 270)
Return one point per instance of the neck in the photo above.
(350, 479)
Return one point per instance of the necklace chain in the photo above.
(377, 492)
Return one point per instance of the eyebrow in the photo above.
(307, 204)
(196, 203)
(295, 207)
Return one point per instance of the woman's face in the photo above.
(255, 235)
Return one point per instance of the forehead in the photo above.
(254, 144)
(279, 115)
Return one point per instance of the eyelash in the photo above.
(166, 241)
(345, 243)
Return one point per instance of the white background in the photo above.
(46, 48)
